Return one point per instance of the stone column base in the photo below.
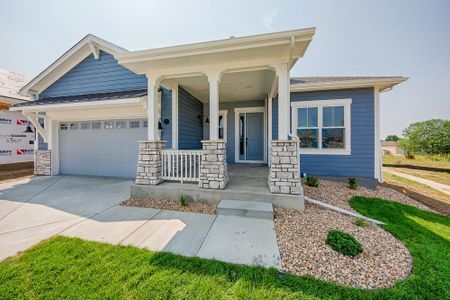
(213, 166)
(284, 175)
(149, 162)
(43, 162)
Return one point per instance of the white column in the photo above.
(52, 130)
(152, 109)
(283, 101)
(377, 155)
(175, 116)
(214, 78)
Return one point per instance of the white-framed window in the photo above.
(323, 126)
(85, 125)
(73, 126)
(63, 126)
(223, 125)
(96, 125)
(121, 124)
(135, 124)
(109, 125)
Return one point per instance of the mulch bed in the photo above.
(193, 206)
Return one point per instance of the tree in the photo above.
(392, 138)
(427, 137)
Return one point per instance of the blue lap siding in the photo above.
(95, 76)
(190, 121)
(361, 161)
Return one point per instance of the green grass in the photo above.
(435, 161)
(72, 268)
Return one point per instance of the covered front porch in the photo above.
(247, 182)
(236, 81)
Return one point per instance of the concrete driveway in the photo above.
(35, 209)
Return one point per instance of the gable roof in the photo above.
(90, 44)
(299, 84)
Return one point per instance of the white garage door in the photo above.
(100, 148)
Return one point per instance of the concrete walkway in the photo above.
(87, 207)
(433, 184)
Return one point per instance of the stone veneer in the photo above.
(284, 175)
(213, 167)
(149, 162)
(42, 162)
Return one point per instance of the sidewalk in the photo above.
(435, 185)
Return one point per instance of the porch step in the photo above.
(251, 209)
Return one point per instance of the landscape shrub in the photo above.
(312, 181)
(183, 200)
(343, 243)
(352, 183)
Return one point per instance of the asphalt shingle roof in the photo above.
(334, 79)
(86, 98)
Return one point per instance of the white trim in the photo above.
(378, 167)
(237, 111)
(348, 84)
(224, 114)
(79, 105)
(320, 104)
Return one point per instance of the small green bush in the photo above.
(184, 200)
(361, 223)
(312, 181)
(343, 243)
(352, 183)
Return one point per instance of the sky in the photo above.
(353, 38)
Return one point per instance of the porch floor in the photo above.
(247, 182)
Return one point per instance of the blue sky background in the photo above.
(401, 37)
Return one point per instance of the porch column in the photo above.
(214, 78)
(149, 163)
(284, 116)
(152, 109)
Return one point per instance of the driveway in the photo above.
(35, 209)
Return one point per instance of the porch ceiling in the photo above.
(235, 86)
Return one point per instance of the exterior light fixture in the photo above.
(28, 129)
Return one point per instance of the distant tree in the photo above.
(392, 138)
(427, 137)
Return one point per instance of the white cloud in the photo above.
(269, 17)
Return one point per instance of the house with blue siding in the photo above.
(191, 113)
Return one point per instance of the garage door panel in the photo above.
(102, 151)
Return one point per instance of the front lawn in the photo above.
(72, 268)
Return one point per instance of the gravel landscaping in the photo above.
(301, 238)
(193, 206)
(338, 194)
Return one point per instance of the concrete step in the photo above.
(251, 209)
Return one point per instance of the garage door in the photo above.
(100, 148)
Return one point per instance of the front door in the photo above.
(251, 136)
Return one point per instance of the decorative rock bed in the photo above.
(338, 194)
(193, 206)
(301, 239)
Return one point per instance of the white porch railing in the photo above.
(181, 165)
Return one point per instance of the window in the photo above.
(108, 125)
(134, 124)
(145, 124)
(121, 124)
(73, 126)
(96, 125)
(223, 124)
(323, 127)
(85, 125)
(63, 126)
